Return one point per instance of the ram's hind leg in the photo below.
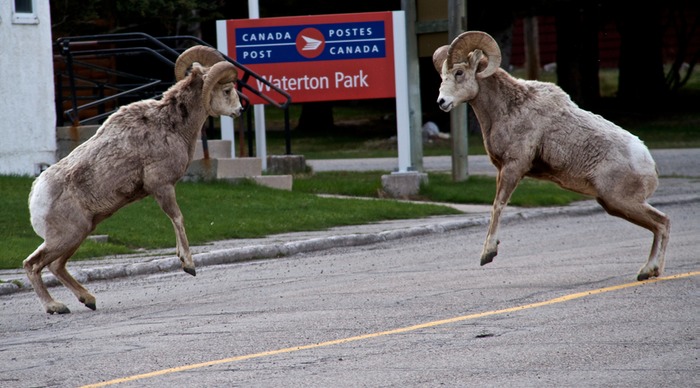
(58, 268)
(661, 227)
(33, 265)
(59, 245)
(646, 216)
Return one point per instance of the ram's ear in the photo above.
(196, 68)
(439, 57)
(474, 58)
(481, 64)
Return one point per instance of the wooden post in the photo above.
(456, 24)
(532, 47)
(415, 108)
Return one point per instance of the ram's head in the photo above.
(219, 94)
(471, 56)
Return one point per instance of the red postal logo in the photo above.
(310, 42)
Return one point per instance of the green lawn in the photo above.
(218, 210)
(440, 188)
(213, 211)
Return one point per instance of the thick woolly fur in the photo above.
(142, 149)
(533, 128)
(144, 144)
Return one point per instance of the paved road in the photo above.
(542, 314)
(682, 162)
(559, 307)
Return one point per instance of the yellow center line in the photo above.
(425, 325)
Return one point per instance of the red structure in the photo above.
(608, 43)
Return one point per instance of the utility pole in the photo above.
(414, 101)
(532, 51)
(456, 24)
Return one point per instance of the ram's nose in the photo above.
(444, 104)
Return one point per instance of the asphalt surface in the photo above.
(679, 169)
(401, 303)
(559, 307)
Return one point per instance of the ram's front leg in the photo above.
(506, 182)
(165, 196)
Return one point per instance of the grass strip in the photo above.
(213, 211)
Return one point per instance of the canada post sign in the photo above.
(318, 58)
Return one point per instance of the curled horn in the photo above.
(439, 57)
(470, 41)
(220, 73)
(206, 56)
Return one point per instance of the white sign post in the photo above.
(227, 130)
(259, 109)
(403, 125)
(326, 58)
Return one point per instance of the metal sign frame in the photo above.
(328, 57)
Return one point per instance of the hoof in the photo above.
(648, 275)
(57, 308)
(642, 276)
(488, 257)
(89, 302)
(190, 271)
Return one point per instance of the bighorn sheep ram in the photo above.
(533, 129)
(142, 149)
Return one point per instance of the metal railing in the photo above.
(88, 94)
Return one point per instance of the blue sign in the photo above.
(311, 42)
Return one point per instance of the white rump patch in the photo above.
(40, 205)
(640, 157)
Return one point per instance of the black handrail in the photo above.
(243, 82)
(74, 47)
(65, 45)
(140, 83)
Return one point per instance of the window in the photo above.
(24, 12)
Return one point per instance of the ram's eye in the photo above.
(227, 92)
(459, 73)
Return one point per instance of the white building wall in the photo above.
(27, 107)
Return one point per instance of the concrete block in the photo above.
(281, 182)
(67, 138)
(403, 184)
(286, 164)
(218, 149)
(239, 168)
(211, 169)
(202, 170)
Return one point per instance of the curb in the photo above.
(270, 251)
